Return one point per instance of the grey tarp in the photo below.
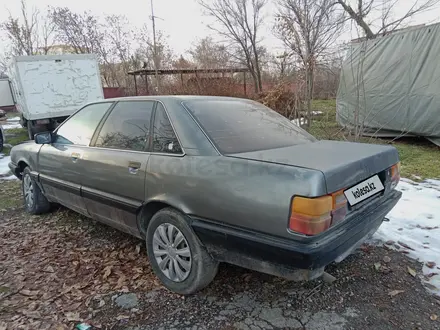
(391, 85)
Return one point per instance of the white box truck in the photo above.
(6, 101)
(6, 97)
(49, 88)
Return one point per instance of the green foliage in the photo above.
(13, 137)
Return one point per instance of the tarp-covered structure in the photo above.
(390, 86)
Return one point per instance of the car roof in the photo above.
(165, 98)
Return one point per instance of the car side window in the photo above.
(79, 128)
(127, 127)
(164, 138)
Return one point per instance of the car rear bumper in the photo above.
(281, 256)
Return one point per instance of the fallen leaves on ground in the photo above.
(57, 269)
(405, 245)
(122, 317)
(430, 264)
(412, 272)
(395, 292)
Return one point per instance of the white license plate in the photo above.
(364, 190)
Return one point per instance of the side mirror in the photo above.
(43, 138)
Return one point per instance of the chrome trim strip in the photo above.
(134, 151)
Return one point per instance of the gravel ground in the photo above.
(238, 299)
(61, 269)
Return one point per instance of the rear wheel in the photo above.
(176, 254)
(34, 200)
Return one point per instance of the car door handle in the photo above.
(75, 156)
(133, 167)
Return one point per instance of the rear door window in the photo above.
(127, 127)
(164, 137)
(243, 125)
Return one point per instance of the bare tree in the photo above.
(29, 34)
(84, 34)
(308, 28)
(47, 35)
(163, 58)
(165, 55)
(240, 21)
(209, 54)
(182, 63)
(116, 51)
(284, 65)
(364, 12)
(80, 31)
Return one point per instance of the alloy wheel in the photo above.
(28, 190)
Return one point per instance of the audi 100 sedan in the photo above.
(205, 180)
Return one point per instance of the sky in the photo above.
(182, 21)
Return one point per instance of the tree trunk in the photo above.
(258, 71)
(309, 92)
(358, 19)
(256, 82)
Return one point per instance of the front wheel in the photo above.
(176, 254)
(34, 200)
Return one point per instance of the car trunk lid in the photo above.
(343, 164)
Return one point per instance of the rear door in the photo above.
(116, 164)
(61, 165)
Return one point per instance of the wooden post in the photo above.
(146, 84)
(244, 82)
(198, 83)
(135, 84)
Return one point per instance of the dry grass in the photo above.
(420, 158)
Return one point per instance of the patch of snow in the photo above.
(316, 112)
(12, 123)
(5, 173)
(11, 126)
(415, 222)
(299, 121)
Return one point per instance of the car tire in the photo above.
(34, 200)
(202, 267)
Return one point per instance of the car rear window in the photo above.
(243, 125)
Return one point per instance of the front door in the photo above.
(115, 165)
(61, 167)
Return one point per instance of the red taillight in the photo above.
(395, 175)
(311, 216)
(310, 225)
(339, 207)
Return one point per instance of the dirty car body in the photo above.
(253, 189)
